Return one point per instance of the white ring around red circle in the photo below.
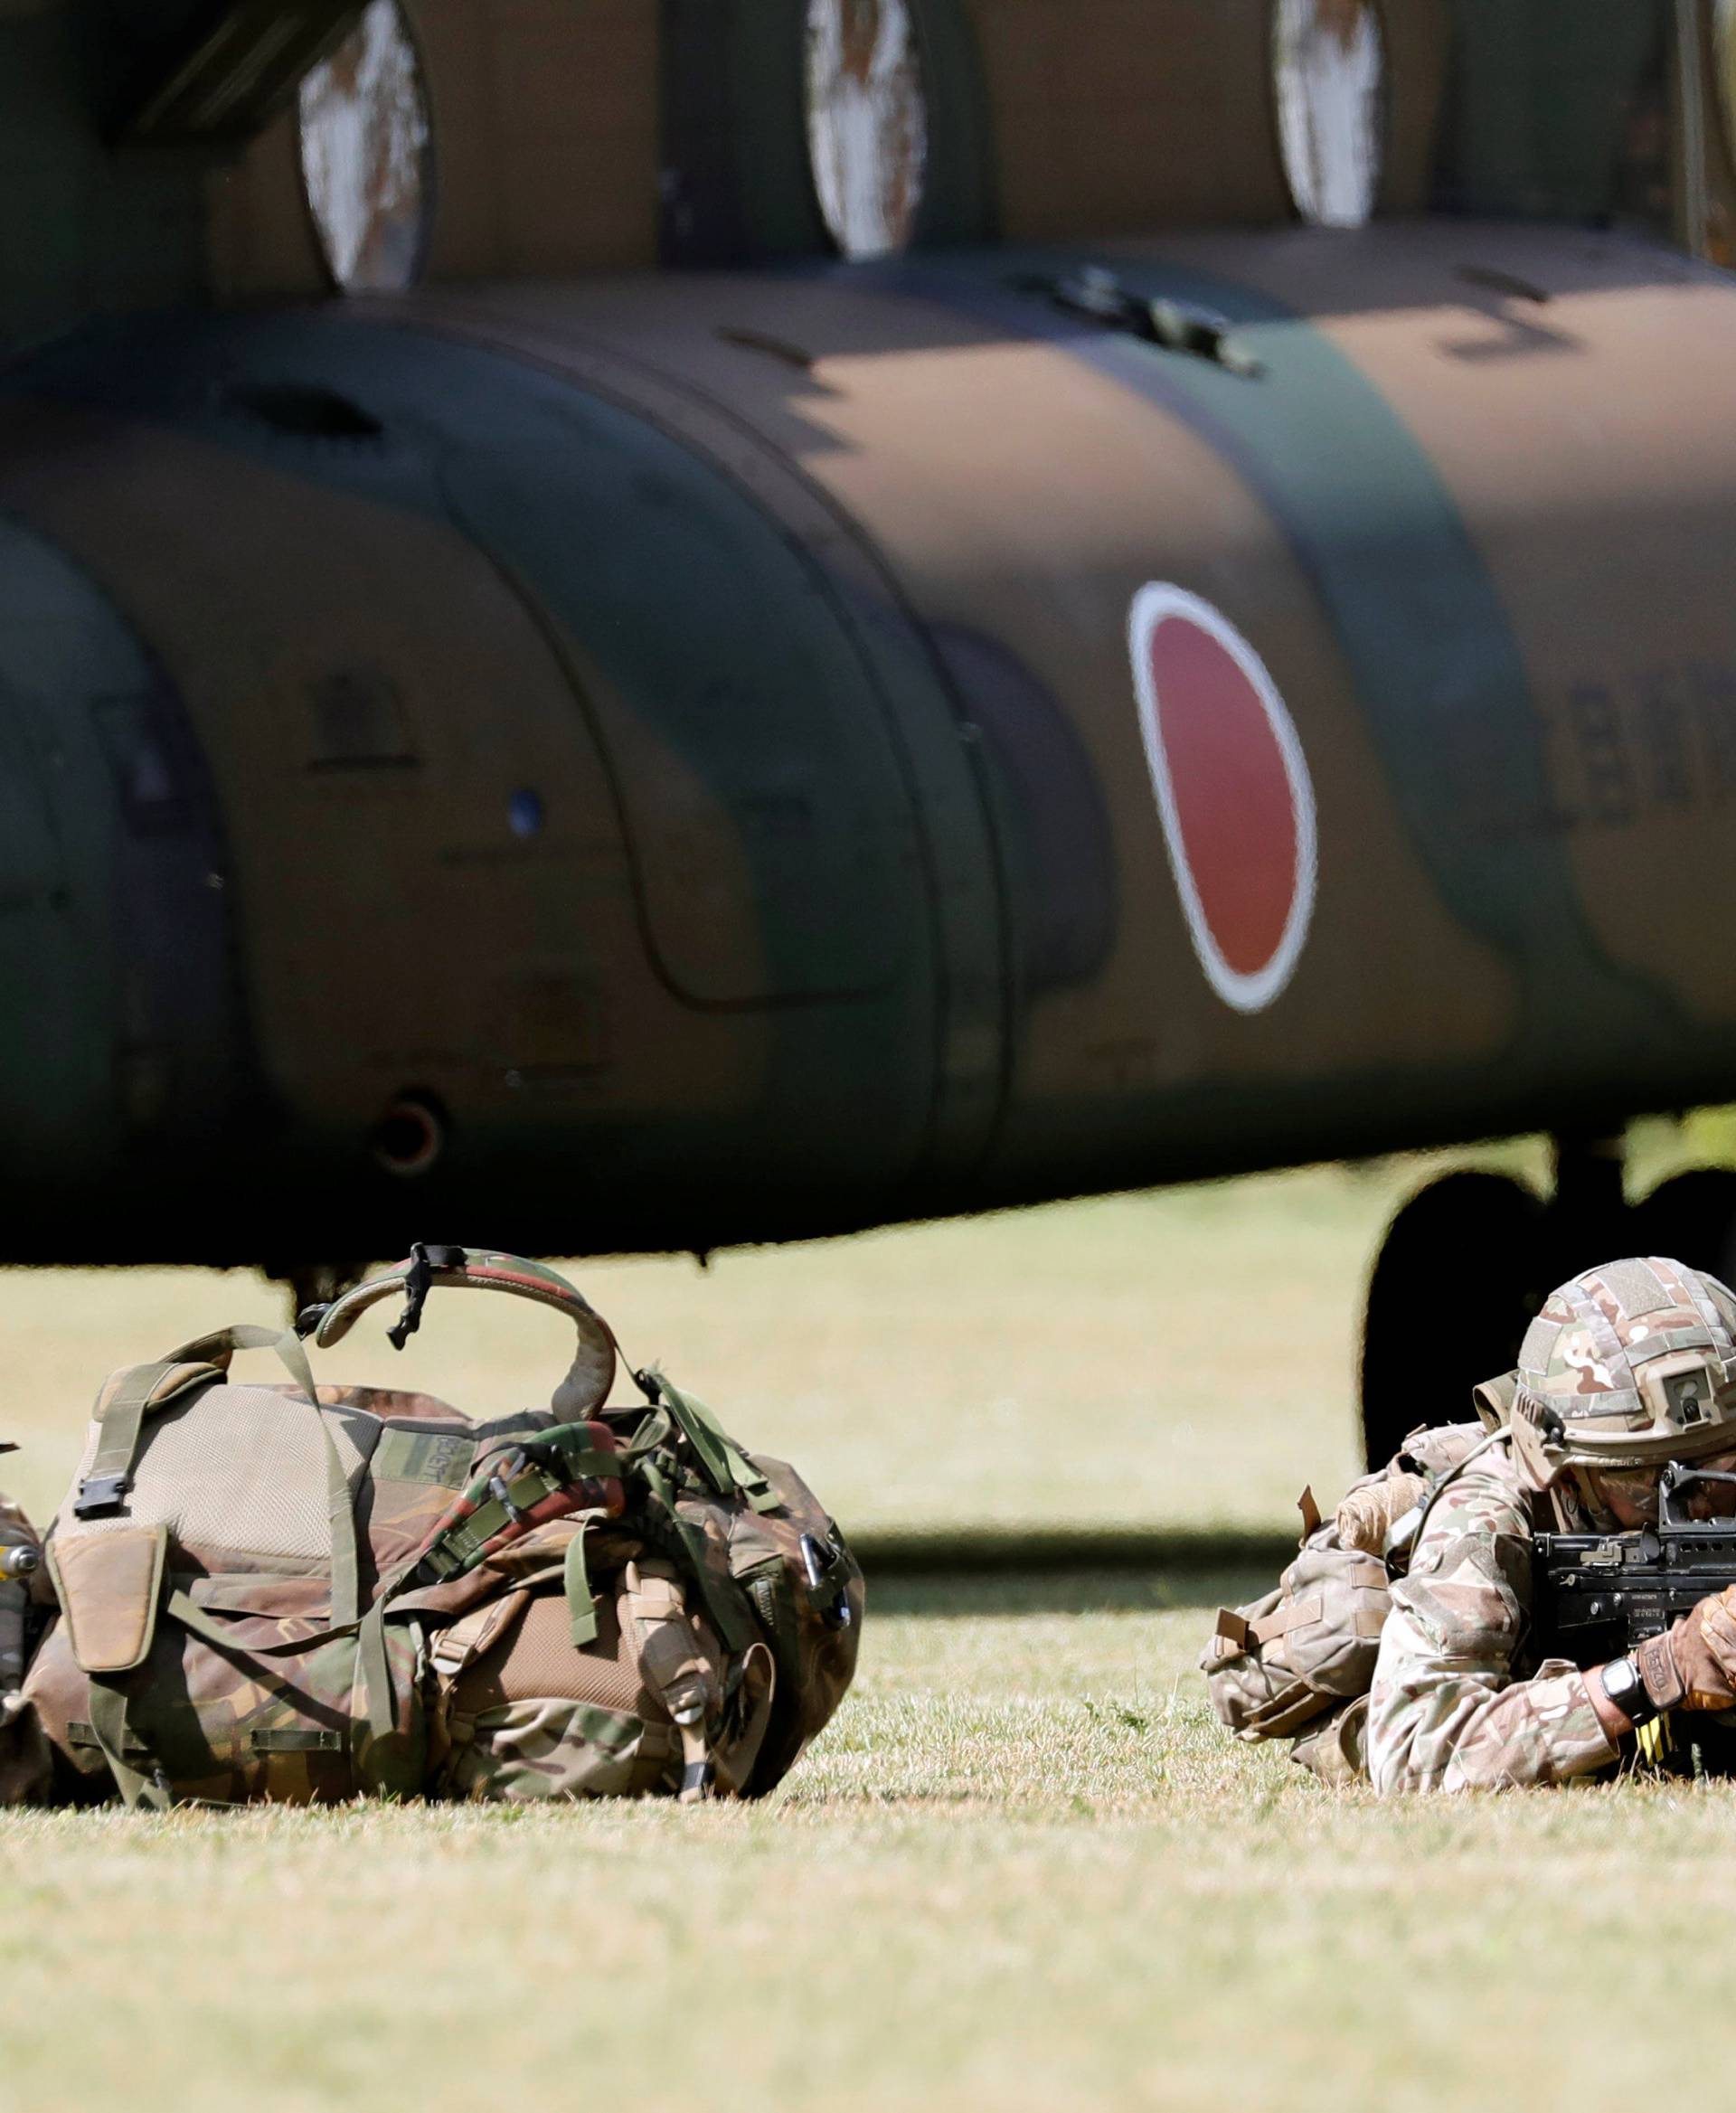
(1247, 991)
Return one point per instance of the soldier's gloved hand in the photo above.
(1367, 1515)
(1717, 1615)
(1685, 1668)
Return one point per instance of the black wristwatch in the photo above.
(1624, 1687)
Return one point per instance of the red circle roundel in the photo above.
(1232, 789)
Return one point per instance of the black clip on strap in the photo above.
(99, 1493)
(419, 1281)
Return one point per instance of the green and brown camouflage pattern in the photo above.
(519, 1488)
(555, 1748)
(757, 1556)
(676, 729)
(228, 1727)
(627, 1605)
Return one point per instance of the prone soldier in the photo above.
(1537, 1602)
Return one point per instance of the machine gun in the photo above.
(1599, 1596)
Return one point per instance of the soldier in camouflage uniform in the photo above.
(1626, 1368)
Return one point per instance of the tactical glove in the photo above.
(1367, 1515)
(1691, 1665)
(1717, 1617)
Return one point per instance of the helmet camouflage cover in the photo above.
(1632, 1363)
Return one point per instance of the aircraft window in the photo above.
(867, 122)
(366, 158)
(1329, 63)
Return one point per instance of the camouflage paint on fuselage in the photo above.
(685, 727)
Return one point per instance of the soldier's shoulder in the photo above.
(1435, 1449)
(1489, 1495)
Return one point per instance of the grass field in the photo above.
(1023, 1870)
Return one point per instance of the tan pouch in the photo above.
(1306, 1648)
(109, 1586)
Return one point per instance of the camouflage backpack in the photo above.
(1297, 1662)
(305, 1594)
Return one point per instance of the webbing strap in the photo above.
(108, 1722)
(123, 1416)
(379, 1714)
(111, 1471)
(586, 1463)
(340, 1508)
(725, 1465)
(461, 1644)
(192, 1617)
(582, 1602)
(293, 1739)
(379, 1709)
(725, 1611)
(760, 1494)
(1293, 1614)
(670, 1665)
(656, 1428)
(121, 1421)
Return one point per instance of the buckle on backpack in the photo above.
(819, 1560)
(100, 1493)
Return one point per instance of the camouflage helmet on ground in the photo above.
(1629, 1365)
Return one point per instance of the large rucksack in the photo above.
(274, 1591)
(1297, 1662)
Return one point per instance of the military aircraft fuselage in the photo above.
(660, 760)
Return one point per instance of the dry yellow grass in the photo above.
(1023, 1870)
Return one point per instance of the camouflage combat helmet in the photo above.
(1629, 1365)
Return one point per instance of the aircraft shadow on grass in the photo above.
(997, 1570)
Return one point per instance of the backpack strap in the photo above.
(140, 1388)
(582, 1602)
(662, 1522)
(573, 1467)
(669, 1656)
(592, 1372)
(121, 1418)
(722, 1461)
(121, 1748)
(122, 1415)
